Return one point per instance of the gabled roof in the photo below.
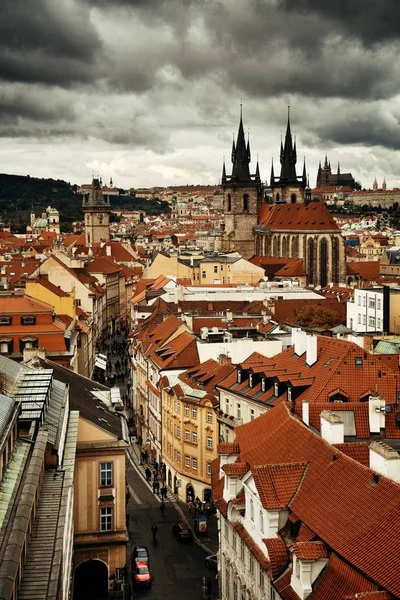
(179, 353)
(278, 555)
(296, 217)
(206, 376)
(104, 265)
(277, 484)
(118, 252)
(44, 282)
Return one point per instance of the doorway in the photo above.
(91, 580)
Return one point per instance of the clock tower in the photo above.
(96, 209)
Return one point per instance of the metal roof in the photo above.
(7, 407)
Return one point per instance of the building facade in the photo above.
(96, 209)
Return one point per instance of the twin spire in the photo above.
(241, 157)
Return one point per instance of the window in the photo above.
(178, 456)
(105, 474)
(229, 203)
(77, 300)
(364, 320)
(261, 577)
(239, 376)
(242, 550)
(5, 321)
(226, 529)
(251, 564)
(208, 468)
(187, 411)
(251, 380)
(178, 432)
(106, 519)
(371, 321)
(194, 437)
(252, 510)
(6, 346)
(238, 411)
(234, 541)
(252, 414)
(245, 202)
(203, 274)
(289, 393)
(194, 413)
(187, 461)
(209, 417)
(379, 323)
(209, 442)
(359, 301)
(215, 268)
(263, 384)
(276, 389)
(227, 406)
(194, 463)
(371, 302)
(359, 319)
(31, 320)
(378, 304)
(261, 521)
(358, 361)
(364, 301)
(177, 407)
(187, 435)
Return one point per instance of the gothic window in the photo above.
(245, 202)
(229, 203)
(311, 274)
(275, 249)
(295, 247)
(323, 258)
(284, 247)
(293, 199)
(335, 260)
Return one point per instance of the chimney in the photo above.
(299, 341)
(224, 360)
(311, 356)
(384, 460)
(229, 316)
(305, 412)
(376, 413)
(108, 250)
(332, 427)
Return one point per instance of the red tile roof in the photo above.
(43, 281)
(252, 546)
(278, 555)
(235, 469)
(337, 498)
(277, 484)
(206, 376)
(297, 217)
(359, 451)
(339, 581)
(178, 353)
(282, 585)
(310, 550)
(228, 448)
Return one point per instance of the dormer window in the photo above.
(5, 320)
(251, 380)
(239, 376)
(28, 320)
(263, 384)
(289, 393)
(276, 389)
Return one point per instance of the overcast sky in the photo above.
(148, 91)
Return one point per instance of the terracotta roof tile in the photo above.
(278, 555)
(228, 448)
(310, 550)
(277, 484)
(236, 469)
(305, 534)
(340, 580)
(297, 217)
(282, 585)
(252, 546)
(359, 451)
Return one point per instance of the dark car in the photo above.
(182, 532)
(140, 554)
(212, 562)
(141, 574)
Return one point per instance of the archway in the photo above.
(207, 495)
(91, 580)
(169, 479)
(189, 493)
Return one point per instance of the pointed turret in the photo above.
(326, 162)
(288, 156)
(384, 185)
(258, 178)
(223, 180)
(233, 149)
(248, 149)
(272, 178)
(241, 170)
(304, 171)
(375, 185)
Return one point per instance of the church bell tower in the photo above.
(242, 197)
(96, 209)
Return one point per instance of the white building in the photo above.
(365, 310)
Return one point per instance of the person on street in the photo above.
(154, 530)
(148, 474)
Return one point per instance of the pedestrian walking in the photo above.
(191, 507)
(148, 474)
(154, 530)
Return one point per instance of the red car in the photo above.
(141, 574)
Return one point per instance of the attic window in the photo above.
(358, 361)
(28, 320)
(263, 384)
(5, 320)
(239, 376)
(251, 380)
(276, 389)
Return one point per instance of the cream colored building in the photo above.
(190, 437)
(174, 266)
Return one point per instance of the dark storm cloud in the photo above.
(367, 129)
(46, 41)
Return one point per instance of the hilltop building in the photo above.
(325, 177)
(96, 208)
(48, 221)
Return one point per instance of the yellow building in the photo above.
(190, 428)
(174, 266)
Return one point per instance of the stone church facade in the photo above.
(288, 228)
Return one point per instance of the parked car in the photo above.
(182, 532)
(212, 562)
(141, 574)
(140, 554)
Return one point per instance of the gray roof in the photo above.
(56, 406)
(7, 407)
(222, 259)
(341, 329)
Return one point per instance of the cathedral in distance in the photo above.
(288, 224)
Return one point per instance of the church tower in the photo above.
(96, 209)
(288, 187)
(243, 194)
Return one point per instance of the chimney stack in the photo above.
(384, 460)
(332, 427)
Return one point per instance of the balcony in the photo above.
(229, 420)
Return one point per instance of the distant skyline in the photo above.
(148, 91)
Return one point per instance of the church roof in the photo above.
(296, 217)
